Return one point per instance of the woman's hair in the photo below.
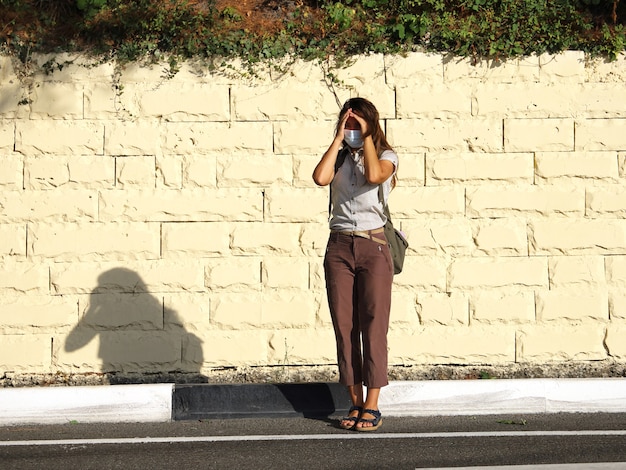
(368, 111)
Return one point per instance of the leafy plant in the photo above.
(90, 7)
(231, 14)
(340, 15)
(144, 29)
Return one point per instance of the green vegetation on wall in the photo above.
(140, 29)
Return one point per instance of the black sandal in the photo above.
(351, 419)
(376, 422)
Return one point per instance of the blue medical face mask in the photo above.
(353, 137)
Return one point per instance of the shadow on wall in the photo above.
(139, 339)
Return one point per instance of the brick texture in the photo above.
(175, 226)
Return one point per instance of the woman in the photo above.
(357, 265)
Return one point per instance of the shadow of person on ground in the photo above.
(316, 400)
(139, 339)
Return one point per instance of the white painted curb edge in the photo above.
(89, 404)
(480, 397)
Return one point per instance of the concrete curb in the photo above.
(480, 397)
(95, 404)
(167, 402)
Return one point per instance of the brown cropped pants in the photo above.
(359, 275)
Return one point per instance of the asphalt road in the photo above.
(294, 443)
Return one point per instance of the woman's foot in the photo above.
(350, 421)
(370, 420)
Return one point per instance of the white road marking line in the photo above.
(307, 437)
(557, 466)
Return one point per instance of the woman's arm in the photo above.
(376, 171)
(325, 170)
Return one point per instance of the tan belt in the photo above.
(369, 234)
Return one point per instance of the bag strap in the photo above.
(341, 158)
(385, 205)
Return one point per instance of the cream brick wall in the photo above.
(158, 225)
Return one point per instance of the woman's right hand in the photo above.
(341, 127)
(325, 170)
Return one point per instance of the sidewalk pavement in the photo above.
(170, 402)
